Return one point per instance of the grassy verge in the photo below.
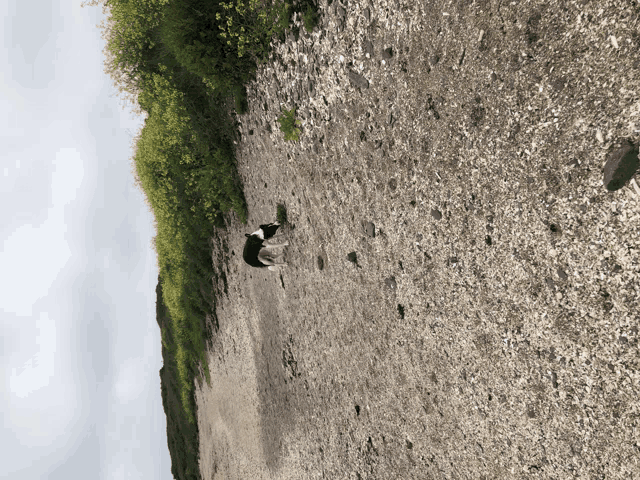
(184, 64)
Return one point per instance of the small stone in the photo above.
(461, 58)
(436, 214)
(358, 80)
(393, 184)
(320, 262)
(367, 14)
(370, 229)
(614, 42)
(493, 76)
(620, 167)
(387, 53)
(391, 283)
(562, 274)
(352, 257)
(433, 59)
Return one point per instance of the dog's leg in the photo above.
(266, 257)
(276, 245)
(279, 260)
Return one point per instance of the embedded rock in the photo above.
(621, 165)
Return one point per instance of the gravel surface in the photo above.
(462, 296)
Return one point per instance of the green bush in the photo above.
(310, 18)
(240, 99)
(289, 125)
(222, 42)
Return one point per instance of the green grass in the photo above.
(289, 125)
(310, 18)
(240, 99)
(281, 214)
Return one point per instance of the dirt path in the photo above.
(490, 327)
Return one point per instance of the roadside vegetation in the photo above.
(289, 125)
(184, 65)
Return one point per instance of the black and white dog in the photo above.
(259, 254)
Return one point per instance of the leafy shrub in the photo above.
(240, 98)
(310, 18)
(222, 42)
(289, 125)
(249, 25)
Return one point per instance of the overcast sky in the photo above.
(80, 348)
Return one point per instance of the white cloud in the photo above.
(123, 468)
(35, 256)
(43, 397)
(67, 177)
(33, 265)
(128, 386)
(38, 371)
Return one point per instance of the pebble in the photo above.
(391, 283)
(358, 80)
(370, 229)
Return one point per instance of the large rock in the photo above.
(621, 165)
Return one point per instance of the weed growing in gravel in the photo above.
(310, 18)
(281, 214)
(289, 125)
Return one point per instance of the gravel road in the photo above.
(488, 327)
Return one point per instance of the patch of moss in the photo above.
(289, 125)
